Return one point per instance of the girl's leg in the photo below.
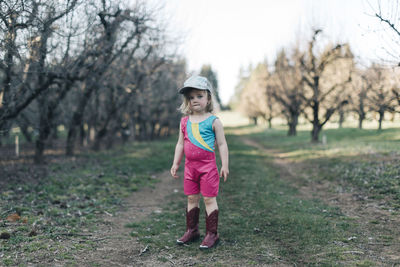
(211, 238)
(211, 204)
(192, 220)
(193, 202)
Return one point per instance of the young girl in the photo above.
(199, 131)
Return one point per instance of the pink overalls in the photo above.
(201, 172)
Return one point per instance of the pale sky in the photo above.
(229, 34)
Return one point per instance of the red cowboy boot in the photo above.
(192, 227)
(211, 239)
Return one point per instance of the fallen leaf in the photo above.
(13, 217)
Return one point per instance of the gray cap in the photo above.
(196, 82)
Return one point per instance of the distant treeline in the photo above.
(317, 82)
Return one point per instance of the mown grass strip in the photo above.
(367, 160)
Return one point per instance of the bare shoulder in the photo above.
(217, 121)
(217, 124)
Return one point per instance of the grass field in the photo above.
(365, 159)
(264, 218)
(66, 200)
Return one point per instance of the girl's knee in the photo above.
(210, 200)
(193, 198)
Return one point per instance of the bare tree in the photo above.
(389, 19)
(18, 91)
(380, 99)
(93, 66)
(256, 98)
(107, 50)
(358, 88)
(325, 76)
(287, 88)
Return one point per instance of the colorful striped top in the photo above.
(198, 135)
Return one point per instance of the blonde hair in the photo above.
(185, 106)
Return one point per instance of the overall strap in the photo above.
(210, 120)
(184, 124)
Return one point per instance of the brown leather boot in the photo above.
(192, 227)
(211, 239)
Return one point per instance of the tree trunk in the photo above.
(26, 133)
(82, 134)
(316, 125)
(125, 136)
(361, 118)
(315, 132)
(293, 125)
(269, 122)
(70, 141)
(152, 130)
(143, 130)
(292, 130)
(132, 127)
(99, 137)
(54, 132)
(110, 141)
(77, 119)
(361, 112)
(39, 150)
(5, 93)
(44, 128)
(381, 116)
(341, 118)
(4, 130)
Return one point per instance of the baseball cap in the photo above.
(196, 82)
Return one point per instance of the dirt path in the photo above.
(114, 246)
(353, 204)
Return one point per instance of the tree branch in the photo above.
(391, 25)
(397, 95)
(14, 113)
(323, 96)
(52, 20)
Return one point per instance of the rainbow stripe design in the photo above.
(201, 134)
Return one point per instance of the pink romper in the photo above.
(201, 172)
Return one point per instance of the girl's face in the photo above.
(198, 100)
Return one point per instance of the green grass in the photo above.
(346, 140)
(70, 198)
(262, 221)
(368, 160)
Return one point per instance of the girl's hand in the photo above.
(174, 169)
(224, 173)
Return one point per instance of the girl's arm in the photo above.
(222, 147)
(178, 154)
